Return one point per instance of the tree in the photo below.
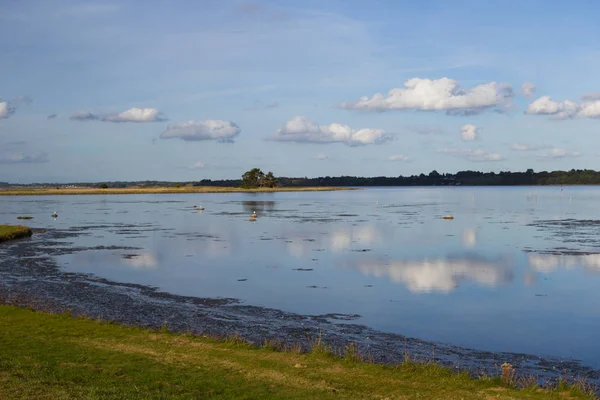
(253, 178)
(269, 180)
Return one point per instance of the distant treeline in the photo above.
(462, 178)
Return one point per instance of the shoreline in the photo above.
(163, 190)
(30, 277)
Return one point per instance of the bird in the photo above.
(448, 217)
(253, 214)
(54, 214)
(200, 208)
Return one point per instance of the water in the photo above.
(504, 275)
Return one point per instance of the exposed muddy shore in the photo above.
(29, 276)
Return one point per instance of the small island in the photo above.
(12, 232)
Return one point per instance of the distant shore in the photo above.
(160, 190)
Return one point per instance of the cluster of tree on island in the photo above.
(255, 178)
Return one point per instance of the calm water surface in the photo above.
(516, 270)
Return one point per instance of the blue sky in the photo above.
(188, 90)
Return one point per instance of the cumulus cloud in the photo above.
(137, 115)
(20, 158)
(589, 107)
(528, 89)
(439, 275)
(436, 95)
(557, 153)
(223, 131)
(468, 132)
(303, 130)
(52, 116)
(477, 155)
(398, 157)
(134, 114)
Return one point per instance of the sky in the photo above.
(190, 90)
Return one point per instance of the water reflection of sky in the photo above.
(440, 275)
(503, 275)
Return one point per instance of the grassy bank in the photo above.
(10, 232)
(46, 356)
(160, 190)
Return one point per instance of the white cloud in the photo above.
(547, 263)
(198, 165)
(525, 147)
(528, 89)
(302, 130)
(20, 158)
(134, 114)
(473, 155)
(468, 132)
(434, 95)
(398, 157)
(589, 107)
(3, 110)
(439, 275)
(223, 131)
(556, 153)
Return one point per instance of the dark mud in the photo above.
(29, 276)
(577, 232)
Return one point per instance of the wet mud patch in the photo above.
(579, 231)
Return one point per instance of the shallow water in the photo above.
(518, 269)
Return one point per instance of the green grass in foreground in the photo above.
(46, 356)
(10, 232)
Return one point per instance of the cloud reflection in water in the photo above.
(547, 263)
(441, 274)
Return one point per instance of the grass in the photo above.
(48, 356)
(11, 232)
(160, 190)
